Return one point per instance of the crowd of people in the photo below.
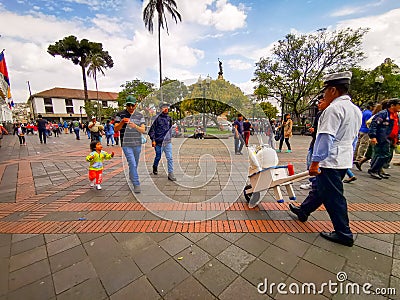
(342, 136)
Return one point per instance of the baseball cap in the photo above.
(130, 100)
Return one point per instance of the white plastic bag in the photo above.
(262, 156)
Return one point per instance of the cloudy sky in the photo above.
(237, 32)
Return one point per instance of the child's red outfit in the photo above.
(96, 165)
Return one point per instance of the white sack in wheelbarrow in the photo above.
(262, 156)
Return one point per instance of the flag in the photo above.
(5, 84)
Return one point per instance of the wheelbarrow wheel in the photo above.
(247, 196)
(254, 199)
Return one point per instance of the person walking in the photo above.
(95, 129)
(338, 128)
(109, 131)
(77, 127)
(246, 131)
(96, 159)
(238, 134)
(384, 134)
(21, 135)
(286, 133)
(363, 138)
(42, 128)
(131, 125)
(160, 134)
(3, 131)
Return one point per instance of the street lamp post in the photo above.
(203, 87)
(80, 110)
(378, 83)
(95, 109)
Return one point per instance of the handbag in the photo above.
(143, 139)
(277, 136)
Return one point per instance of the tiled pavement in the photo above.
(193, 239)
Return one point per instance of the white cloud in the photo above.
(225, 17)
(380, 42)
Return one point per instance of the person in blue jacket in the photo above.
(160, 134)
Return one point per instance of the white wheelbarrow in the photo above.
(271, 178)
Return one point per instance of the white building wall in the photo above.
(38, 105)
(59, 106)
(77, 104)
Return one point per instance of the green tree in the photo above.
(364, 86)
(293, 72)
(269, 110)
(220, 97)
(96, 63)
(139, 89)
(79, 52)
(160, 6)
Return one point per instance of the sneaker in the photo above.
(278, 150)
(137, 189)
(155, 170)
(98, 187)
(92, 183)
(374, 175)
(288, 151)
(171, 177)
(306, 186)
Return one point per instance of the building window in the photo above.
(69, 106)
(48, 109)
(68, 102)
(104, 103)
(47, 101)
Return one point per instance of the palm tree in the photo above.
(79, 52)
(96, 63)
(148, 14)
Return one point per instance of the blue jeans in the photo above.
(349, 173)
(132, 155)
(239, 143)
(110, 137)
(167, 149)
(76, 130)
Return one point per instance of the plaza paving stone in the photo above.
(60, 239)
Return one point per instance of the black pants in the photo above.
(286, 141)
(382, 156)
(42, 135)
(21, 139)
(94, 136)
(327, 189)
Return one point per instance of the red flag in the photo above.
(4, 72)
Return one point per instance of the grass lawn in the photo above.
(210, 130)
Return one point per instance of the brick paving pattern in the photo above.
(60, 239)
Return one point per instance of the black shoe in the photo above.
(358, 165)
(383, 175)
(298, 212)
(351, 179)
(374, 175)
(155, 171)
(334, 237)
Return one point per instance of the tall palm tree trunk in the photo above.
(97, 96)
(85, 90)
(159, 58)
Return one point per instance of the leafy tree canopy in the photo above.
(293, 70)
(269, 110)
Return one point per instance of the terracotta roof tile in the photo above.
(75, 94)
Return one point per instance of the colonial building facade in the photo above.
(67, 104)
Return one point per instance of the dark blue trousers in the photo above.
(327, 189)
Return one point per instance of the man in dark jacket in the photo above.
(160, 134)
(41, 125)
(384, 134)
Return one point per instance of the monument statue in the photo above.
(220, 73)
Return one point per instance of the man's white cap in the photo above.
(337, 78)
